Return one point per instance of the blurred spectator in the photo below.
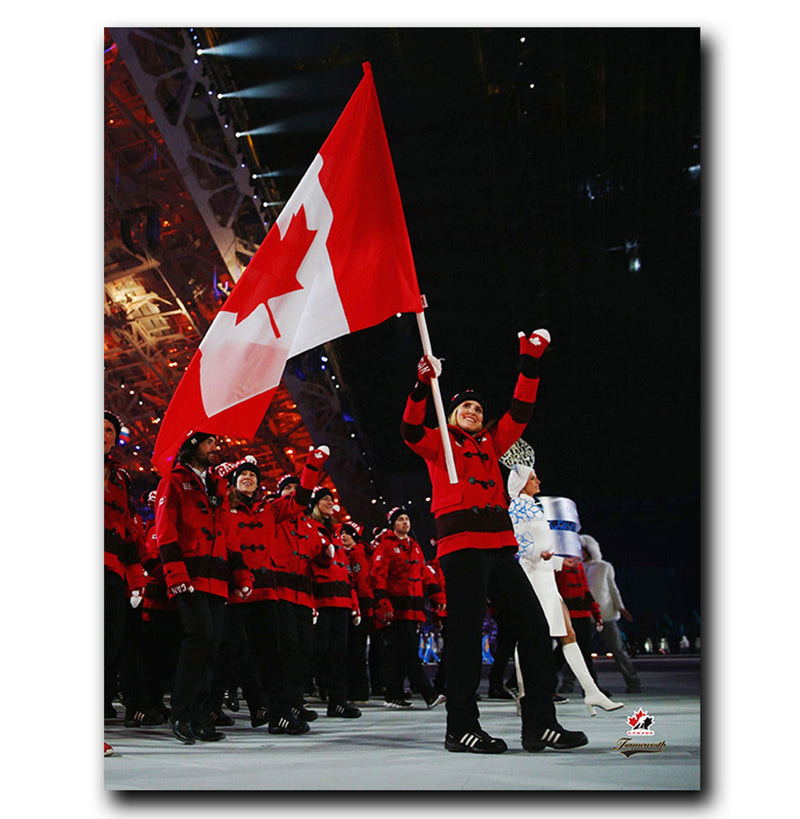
(357, 673)
(337, 606)
(123, 573)
(602, 584)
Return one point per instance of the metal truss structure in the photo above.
(183, 216)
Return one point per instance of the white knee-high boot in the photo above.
(592, 695)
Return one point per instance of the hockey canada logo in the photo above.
(639, 725)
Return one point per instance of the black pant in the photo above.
(503, 653)
(357, 678)
(440, 680)
(296, 645)
(263, 638)
(161, 643)
(233, 666)
(132, 679)
(472, 576)
(247, 652)
(115, 614)
(202, 618)
(402, 647)
(376, 662)
(330, 652)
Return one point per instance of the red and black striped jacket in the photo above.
(399, 574)
(297, 549)
(434, 567)
(192, 538)
(473, 513)
(359, 572)
(333, 585)
(121, 534)
(573, 587)
(155, 592)
(253, 529)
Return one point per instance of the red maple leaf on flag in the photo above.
(276, 271)
(342, 265)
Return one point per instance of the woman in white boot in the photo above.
(528, 518)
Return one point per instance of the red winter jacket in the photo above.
(297, 549)
(121, 533)
(191, 536)
(473, 513)
(359, 571)
(434, 567)
(574, 590)
(155, 592)
(333, 586)
(400, 576)
(252, 529)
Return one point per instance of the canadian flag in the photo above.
(338, 259)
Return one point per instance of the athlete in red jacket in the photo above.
(296, 551)
(476, 546)
(161, 627)
(123, 573)
(250, 631)
(357, 639)
(400, 581)
(439, 616)
(337, 606)
(253, 521)
(198, 565)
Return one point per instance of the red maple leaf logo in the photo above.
(272, 272)
(636, 718)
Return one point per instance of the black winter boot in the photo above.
(474, 742)
(541, 730)
(554, 737)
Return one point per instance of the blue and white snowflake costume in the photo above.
(531, 529)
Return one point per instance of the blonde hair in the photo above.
(451, 419)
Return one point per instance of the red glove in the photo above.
(224, 469)
(384, 611)
(428, 368)
(317, 456)
(535, 345)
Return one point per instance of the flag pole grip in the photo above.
(437, 401)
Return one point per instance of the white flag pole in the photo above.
(437, 401)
